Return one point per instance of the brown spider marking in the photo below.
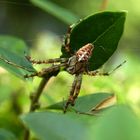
(85, 52)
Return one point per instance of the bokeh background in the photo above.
(43, 32)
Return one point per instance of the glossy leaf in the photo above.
(57, 126)
(103, 30)
(12, 56)
(118, 122)
(84, 103)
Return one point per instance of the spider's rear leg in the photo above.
(74, 91)
(45, 71)
(70, 99)
(116, 68)
(77, 88)
(97, 72)
(48, 61)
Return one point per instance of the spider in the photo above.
(76, 65)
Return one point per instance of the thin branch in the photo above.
(36, 96)
(35, 99)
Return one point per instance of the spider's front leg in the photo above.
(74, 92)
(66, 42)
(48, 61)
(45, 71)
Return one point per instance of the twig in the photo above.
(35, 98)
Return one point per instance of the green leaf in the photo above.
(84, 103)
(103, 30)
(12, 56)
(118, 123)
(61, 13)
(58, 126)
(13, 44)
(6, 135)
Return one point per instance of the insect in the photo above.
(76, 65)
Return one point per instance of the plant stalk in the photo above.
(35, 100)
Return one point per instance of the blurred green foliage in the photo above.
(116, 123)
(124, 82)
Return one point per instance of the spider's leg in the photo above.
(14, 64)
(66, 42)
(48, 61)
(77, 88)
(70, 99)
(44, 71)
(96, 72)
(110, 72)
(91, 73)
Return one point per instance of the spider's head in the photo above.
(84, 53)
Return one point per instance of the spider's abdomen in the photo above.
(78, 62)
(84, 53)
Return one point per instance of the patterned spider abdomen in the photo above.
(78, 62)
(84, 53)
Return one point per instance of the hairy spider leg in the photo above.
(14, 64)
(97, 72)
(66, 42)
(48, 61)
(45, 71)
(76, 85)
(70, 99)
(117, 67)
(77, 88)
